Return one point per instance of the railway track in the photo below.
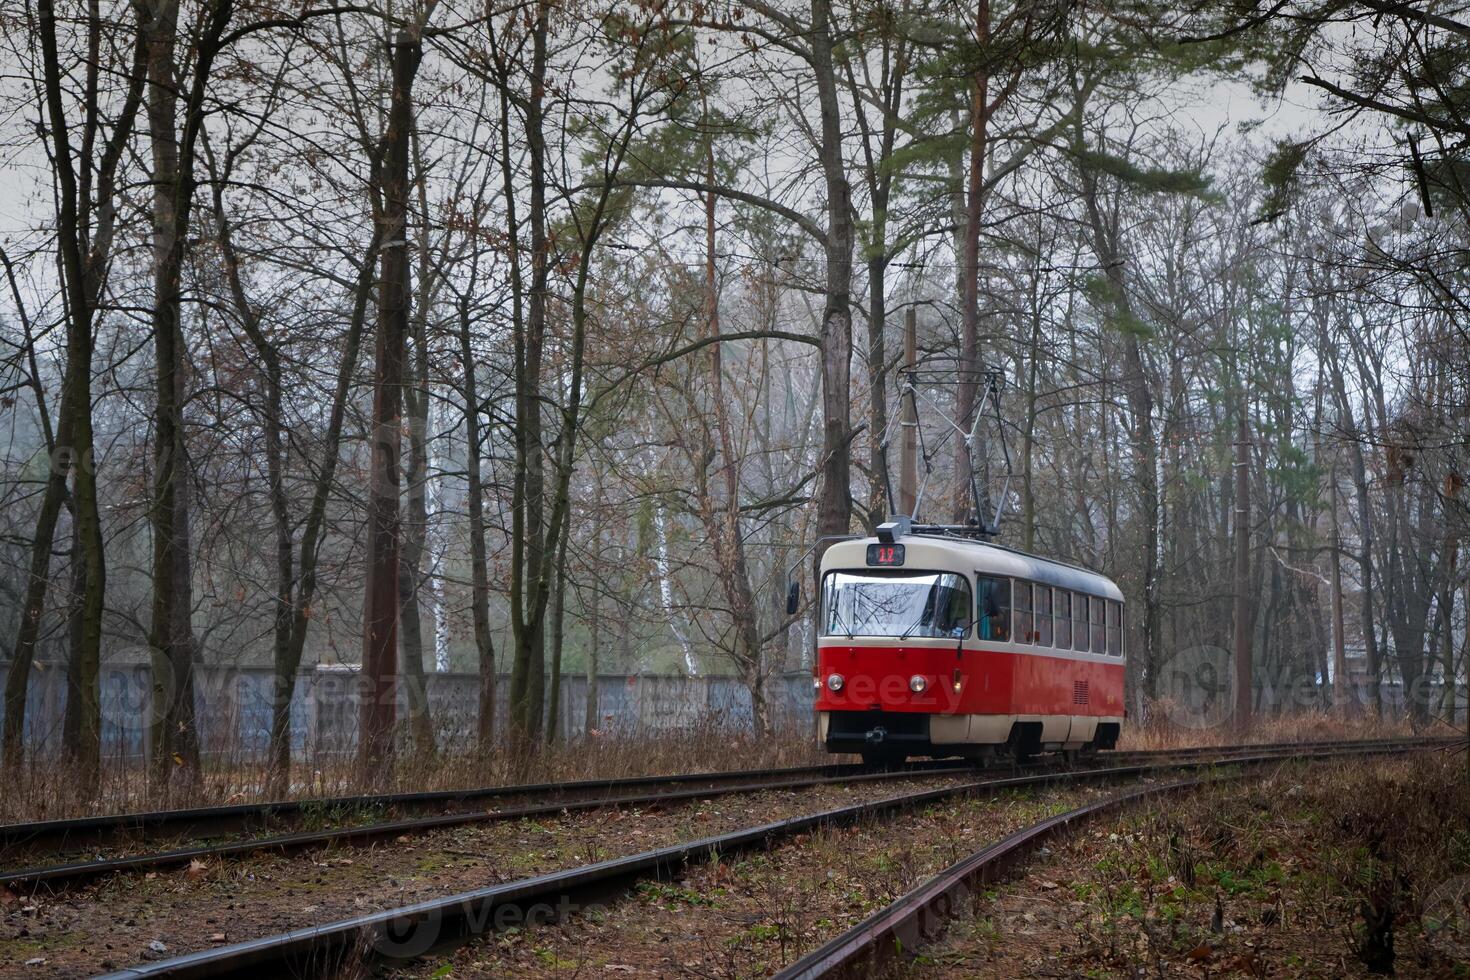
(200, 822)
(563, 798)
(924, 911)
(72, 874)
(413, 930)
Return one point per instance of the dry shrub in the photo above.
(1403, 832)
(1361, 848)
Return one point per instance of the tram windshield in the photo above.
(897, 603)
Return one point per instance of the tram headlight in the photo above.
(835, 682)
(918, 683)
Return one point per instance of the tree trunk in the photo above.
(558, 635)
(1141, 430)
(1241, 619)
(171, 633)
(879, 506)
(1028, 436)
(83, 263)
(968, 387)
(1342, 692)
(75, 711)
(834, 505)
(415, 531)
(727, 535)
(528, 537)
(479, 572)
(908, 477)
(591, 722)
(17, 680)
(381, 601)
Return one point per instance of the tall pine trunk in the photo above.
(834, 503)
(381, 600)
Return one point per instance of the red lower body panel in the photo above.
(970, 682)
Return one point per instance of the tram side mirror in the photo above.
(793, 597)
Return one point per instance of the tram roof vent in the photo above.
(894, 528)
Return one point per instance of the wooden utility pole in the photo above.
(1241, 619)
(908, 464)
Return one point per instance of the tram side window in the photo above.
(1062, 614)
(1043, 615)
(1022, 609)
(1095, 617)
(993, 606)
(1115, 629)
(1079, 622)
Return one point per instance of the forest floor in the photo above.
(134, 918)
(1281, 874)
(1329, 870)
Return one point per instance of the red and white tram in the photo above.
(932, 643)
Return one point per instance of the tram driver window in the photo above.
(993, 608)
(1022, 608)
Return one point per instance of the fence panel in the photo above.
(234, 708)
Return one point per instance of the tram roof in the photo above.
(952, 552)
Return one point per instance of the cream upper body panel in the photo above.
(930, 553)
(935, 554)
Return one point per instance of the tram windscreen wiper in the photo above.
(841, 624)
(927, 613)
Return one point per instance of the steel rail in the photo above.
(923, 912)
(201, 821)
(79, 872)
(410, 931)
(195, 822)
(75, 873)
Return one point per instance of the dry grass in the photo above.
(1304, 726)
(46, 790)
